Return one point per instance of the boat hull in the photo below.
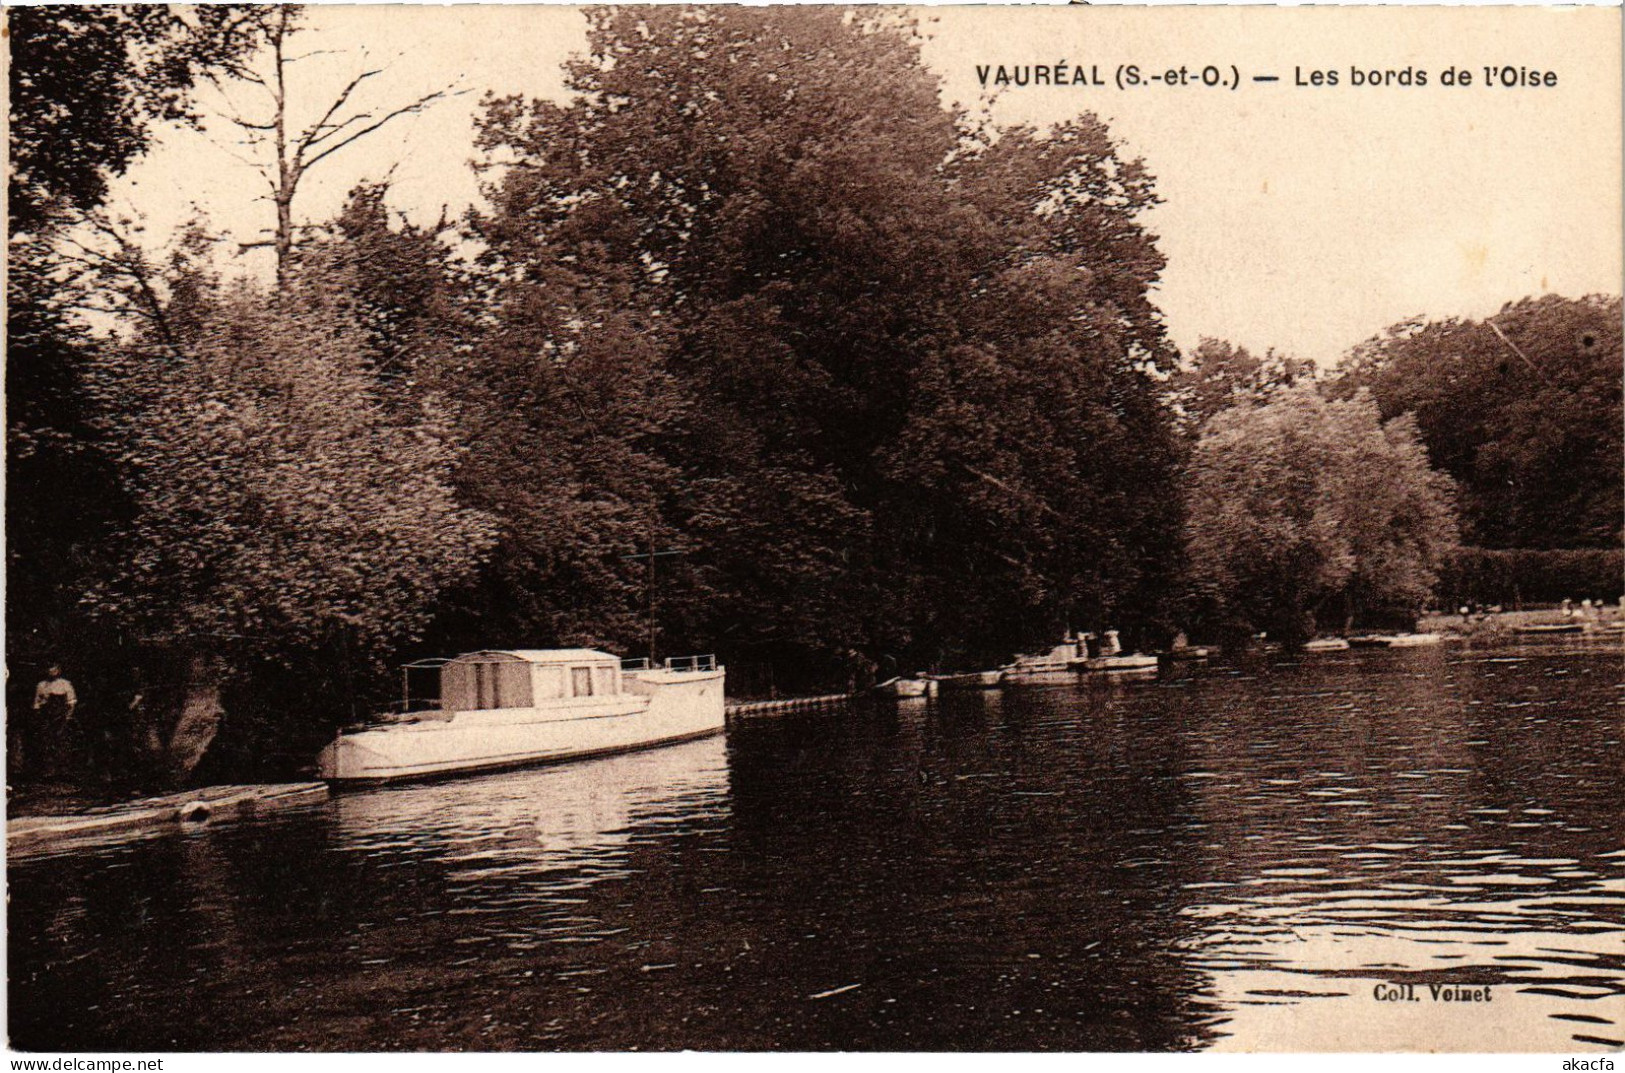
(658, 708)
(1041, 675)
(1395, 640)
(899, 688)
(1118, 665)
(955, 683)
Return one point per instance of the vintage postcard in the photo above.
(807, 529)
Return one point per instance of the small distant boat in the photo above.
(957, 683)
(1394, 640)
(1327, 644)
(1071, 658)
(504, 709)
(899, 688)
(1415, 640)
(1539, 628)
(1117, 664)
(1050, 668)
(1059, 666)
(1187, 652)
(1035, 674)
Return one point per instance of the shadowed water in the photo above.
(1232, 859)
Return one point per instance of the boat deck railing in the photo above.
(688, 664)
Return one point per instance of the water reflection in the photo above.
(1236, 857)
(547, 820)
(1427, 826)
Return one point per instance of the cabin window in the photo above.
(604, 681)
(513, 685)
(581, 681)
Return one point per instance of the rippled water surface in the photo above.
(1238, 857)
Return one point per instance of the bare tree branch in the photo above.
(259, 168)
(414, 108)
(293, 156)
(132, 262)
(246, 125)
(314, 134)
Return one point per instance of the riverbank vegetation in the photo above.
(787, 361)
(1310, 515)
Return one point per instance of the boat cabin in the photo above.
(523, 678)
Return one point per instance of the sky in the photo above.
(1300, 217)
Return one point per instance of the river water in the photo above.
(1231, 857)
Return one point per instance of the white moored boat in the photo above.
(1395, 640)
(1057, 666)
(1069, 660)
(902, 688)
(511, 708)
(1119, 664)
(974, 680)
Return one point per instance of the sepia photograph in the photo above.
(797, 528)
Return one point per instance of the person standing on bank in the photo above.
(54, 704)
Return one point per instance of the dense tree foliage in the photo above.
(1522, 409)
(1486, 577)
(1218, 375)
(1307, 515)
(913, 354)
(281, 512)
(559, 399)
(277, 499)
(87, 84)
(756, 348)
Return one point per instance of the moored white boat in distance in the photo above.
(1119, 664)
(955, 683)
(1071, 658)
(1395, 640)
(1326, 644)
(1056, 665)
(503, 709)
(901, 688)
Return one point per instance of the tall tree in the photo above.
(846, 276)
(87, 86)
(87, 83)
(1523, 409)
(281, 511)
(403, 283)
(1218, 375)
(558, 389)
(1307, 514)
(294, 150)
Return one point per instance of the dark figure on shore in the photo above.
(860, 671)
(54, 704)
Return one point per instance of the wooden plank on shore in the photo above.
(205, 805)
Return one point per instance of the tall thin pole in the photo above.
(651, 601)
(649, 597)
